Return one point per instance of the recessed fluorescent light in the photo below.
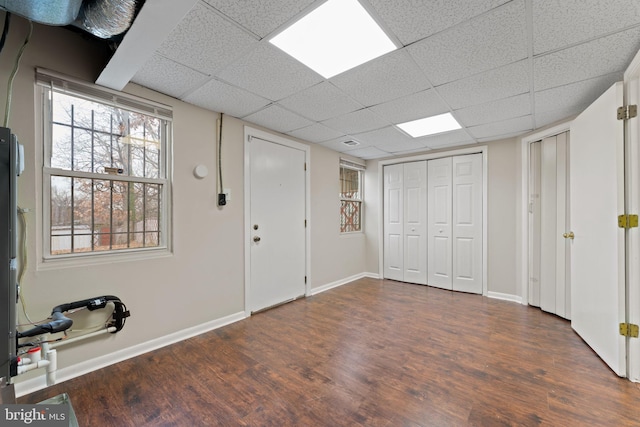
(430, 125)
(335, 37)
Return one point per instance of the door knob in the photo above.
(256, 239)
(568, 235)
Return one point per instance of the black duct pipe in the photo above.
(59, 322)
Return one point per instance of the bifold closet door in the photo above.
(405, 222)
(415, 222)
(467, 223)
(455, 223)
(393, 222)
(439, 269)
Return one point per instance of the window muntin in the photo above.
(105, 176)
(350, 199)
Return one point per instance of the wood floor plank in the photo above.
(370, 353)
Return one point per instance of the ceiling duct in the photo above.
(102, 18)
(106, 18)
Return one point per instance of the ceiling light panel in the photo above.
(430, 125)
(335, 37)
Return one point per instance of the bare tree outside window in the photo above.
(350, 200)
(106, 172)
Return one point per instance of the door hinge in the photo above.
(628, 221)
(305, 223)
(627, 112)
(305, 165)
(629, 330)
(305, 280)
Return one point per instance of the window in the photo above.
(350, 196)
(105, 170)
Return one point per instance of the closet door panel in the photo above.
(393, 222)
(439, 219)
(415, 225)
(467, 223)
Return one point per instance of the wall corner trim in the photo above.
(505, 297)
(323, 288)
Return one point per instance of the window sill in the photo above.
(72, 261)
(351, 233)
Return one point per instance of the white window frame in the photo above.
(48, 81)
(347, 164)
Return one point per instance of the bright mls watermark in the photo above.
(34, 415)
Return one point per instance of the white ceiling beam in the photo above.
(154, 23)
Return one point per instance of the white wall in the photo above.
(203, 279)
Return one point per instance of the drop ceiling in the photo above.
(502, 68)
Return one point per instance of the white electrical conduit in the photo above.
(57, 344)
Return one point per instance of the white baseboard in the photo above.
(29, 386)
(323, 288)
(505, 297)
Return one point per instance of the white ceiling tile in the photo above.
(558, 24)
(259, 16)
(489, 41)
(412, 20)
(271, 73)
(489, 130)
(221, 97)
(205, 41)
(504, 82)
(389, 77)
(355, 122)
(411, 107)
(545, 118)
(599, 57)
(407, 152)
(316, 133)
(453, 144)
(320, 102)
(447, 139)
(368, 153)
(494, 111)
(168, 77)
(389, 137)
(503, 136)
(580, 93)
(277, 118)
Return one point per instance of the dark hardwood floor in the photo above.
(372, 353)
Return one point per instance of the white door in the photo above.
(393, 222)
(554, 248)
(535, 221)
(439, 247)
(467, 223)
(597, 255)
(277, 217)
(415, 222)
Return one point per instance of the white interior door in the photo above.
(439, 249)
(535, 221)
(597, 255)
(554, 223)
(415, 222)
(467, 223)
(393, 222)
(277, 216)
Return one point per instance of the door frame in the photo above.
(525, 143)
(482, 149)
(631, 94)
(249, 133)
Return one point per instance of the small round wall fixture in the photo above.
(200, 171)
